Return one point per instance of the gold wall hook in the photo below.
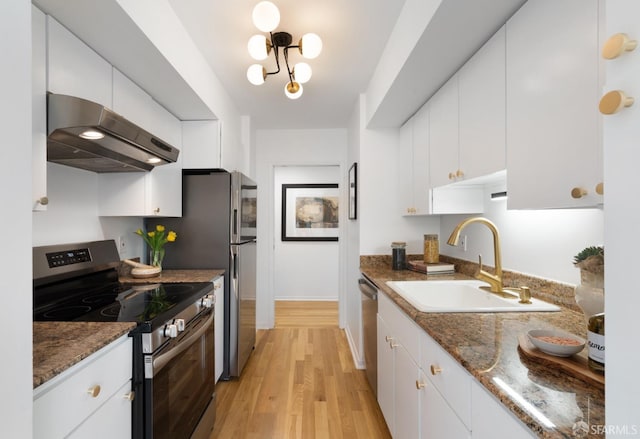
(616, 45)
(614, 101)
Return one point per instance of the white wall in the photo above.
(541, 243)
(304, 270)
(16, 379)
(380, 222)
(273, 148)
(72, 213)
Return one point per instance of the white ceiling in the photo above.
(354, 34)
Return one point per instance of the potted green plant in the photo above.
(590, 292)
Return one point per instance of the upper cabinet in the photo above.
(481, 88)
(74, 68)
(158, 192)
(413, 171)
(467, 138)
(39, 109)
(201, 144)
(444, 135)
(554, 136)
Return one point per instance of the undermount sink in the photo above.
(461, 296)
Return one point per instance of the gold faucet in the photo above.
(494, 280)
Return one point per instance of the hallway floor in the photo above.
(300, 382)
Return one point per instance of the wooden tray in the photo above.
(575, 365)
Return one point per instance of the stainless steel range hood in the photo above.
(89, 136)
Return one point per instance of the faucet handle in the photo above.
(480, 261)
(525, 295)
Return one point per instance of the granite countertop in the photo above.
(172, 276)
(486, 345)
(59, 345)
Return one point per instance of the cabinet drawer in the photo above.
(453, 382)
(403, 329)
(113, 420)
(61, 404)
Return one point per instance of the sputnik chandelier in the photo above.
(266, 17)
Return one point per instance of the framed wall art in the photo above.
(310, 212)
(353, 191)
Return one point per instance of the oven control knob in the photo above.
(207, 301)
(179, 324)
(171, 331)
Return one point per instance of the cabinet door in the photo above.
(74, 68)
(553, 87)
(200, 144)
(420, 161)
(386, 374)
(481, 85)
(443, 134)
(437, 419)
(407, 397)
(405, 168)
(39, 109)
(490, 420)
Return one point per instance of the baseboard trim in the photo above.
(359, 362)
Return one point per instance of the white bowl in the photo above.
(563, 344)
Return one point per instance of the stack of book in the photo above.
(438, 268)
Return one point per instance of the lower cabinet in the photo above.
(437, 419)
(491, 421)
(423, 392)
(90, 399)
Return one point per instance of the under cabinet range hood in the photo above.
(89, 136)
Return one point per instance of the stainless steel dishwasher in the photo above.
(369, 297)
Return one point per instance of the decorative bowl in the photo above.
(553, 342)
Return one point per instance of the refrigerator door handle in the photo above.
(235, 223)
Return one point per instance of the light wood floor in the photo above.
(300, 382)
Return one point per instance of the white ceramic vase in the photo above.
(590, 293)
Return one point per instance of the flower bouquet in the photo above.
(156, 239)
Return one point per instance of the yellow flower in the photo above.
(151, 234)
(160, 228)
(171, 236)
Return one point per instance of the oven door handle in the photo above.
(162, 360)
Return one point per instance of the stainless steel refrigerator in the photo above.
(218, 230)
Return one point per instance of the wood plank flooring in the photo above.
(300, 382)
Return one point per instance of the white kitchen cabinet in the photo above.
(95, 392)
(386, 373)
(452, 380)
(154, 193)
(554, 135)
(406, 397)
(201, 144)
(74, 68)
(437, 419)
(491, 420)
(39, 110)
(218, 292)
(444, 135)
(413, 169)
(481, 86)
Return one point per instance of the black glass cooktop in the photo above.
(100, 298)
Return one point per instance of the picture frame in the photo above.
(353, 191)
(310, 212)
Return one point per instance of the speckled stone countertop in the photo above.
(486, 345)
(59, 345)
(168, 276)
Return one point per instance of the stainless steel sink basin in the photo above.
(461, 296)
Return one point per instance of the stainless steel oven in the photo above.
(173, 341)
(179, 383)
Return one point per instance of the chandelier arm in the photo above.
(276, 50)
(286, 60)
